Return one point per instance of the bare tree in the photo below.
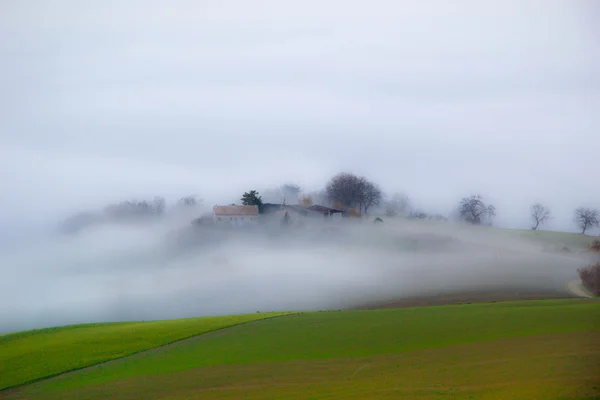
(287, 193)
(440, 217)
(371, 195)
(353, 191)
(473, 210)
(189, 201)
(158, 205)
(398, 204)
(539, 214)
(390, 210)
(346, 189)
(291, 193)
(586, 218)
(135, 208)
(418, 214)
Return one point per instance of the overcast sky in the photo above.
(107, 100)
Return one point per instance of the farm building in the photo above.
(235, 215)
(326, 212)
(297, 213)
(313, 213)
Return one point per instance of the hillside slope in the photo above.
(528, 350)
(32, 355)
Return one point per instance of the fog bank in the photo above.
(167, 270)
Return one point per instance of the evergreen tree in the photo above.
(252, 198)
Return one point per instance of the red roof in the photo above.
(235, 210)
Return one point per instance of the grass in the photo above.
(541, 367)
(32, 355)
(573, 241)
(529, 349)
(556, 239)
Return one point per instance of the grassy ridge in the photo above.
(574, 241)
(247, 357)
(31, 355)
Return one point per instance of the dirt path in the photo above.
(575, 288)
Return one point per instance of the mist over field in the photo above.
(165, 270)
(110, 101)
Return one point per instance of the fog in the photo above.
(167, 269)
(100, 102)
(105, 102)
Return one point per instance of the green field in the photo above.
(573, 241)
(31, 355)
(522, 350)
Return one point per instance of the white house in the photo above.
(235, 215)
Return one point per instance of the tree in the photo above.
(586, 218)
(371, 194)
(473, 210)
(346, 189)
(590, 277)
(418, 214)
(287, 193)
(539, 214)
(252, 198)
(440, 217)
(189, 201)
(491, 213)
(158, 205)
(398, 204)
(291, 193)
(135, 209)
(353, 191)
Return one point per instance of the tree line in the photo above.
(359, 195)
(126, 211)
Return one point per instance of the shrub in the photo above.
(590, 276)
(417, 215)
(595, 246)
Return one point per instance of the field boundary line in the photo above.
(46, 377)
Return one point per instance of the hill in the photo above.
(547, 239)
(518, 350)
(559, 240)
